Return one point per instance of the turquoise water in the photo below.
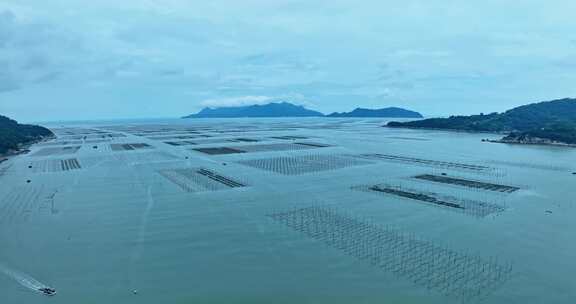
(118, 225)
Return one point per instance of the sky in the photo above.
(84, 59)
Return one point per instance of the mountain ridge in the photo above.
(286, 109)
(274, 109)
(548, 121)
(392, 112)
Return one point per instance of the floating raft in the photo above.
(465, 206)
(467, 183)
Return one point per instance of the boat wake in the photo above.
(23, 279)
(137, 253)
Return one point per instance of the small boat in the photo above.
(47, 291)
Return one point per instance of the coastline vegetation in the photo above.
(14, 135)
(544, 122)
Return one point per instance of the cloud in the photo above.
(7, 83)
(278, 62)
(113, 55)
(33, 52)
(239, 101)
(236, 101)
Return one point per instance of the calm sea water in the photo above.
(118, 225)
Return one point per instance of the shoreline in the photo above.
(518, 142)
(499, 141)
(6, 156)
(23, 149)
(450, 130)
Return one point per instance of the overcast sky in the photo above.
(91, 59)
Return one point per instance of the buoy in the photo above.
(135, 291)
(28, 181)
(30, 167)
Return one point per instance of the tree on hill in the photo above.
(13, 134)
(554, 120)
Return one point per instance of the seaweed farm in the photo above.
(427, 162)
(261, 148)
(57, 151)
(306, 210)
(200, 179)
(434, 267)
(466, 206)
(304, 164)
(20, 204)
(130, 146)
(467, 183)
(55, 165)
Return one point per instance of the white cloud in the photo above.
(236, 101)
(239, 101)
(231, 53)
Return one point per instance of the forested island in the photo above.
(393, 112)
(286, 109)
(280, 109)
(549, 122)
(13, 136)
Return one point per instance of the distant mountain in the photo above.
(283, 109)
(13, 135)
(552, 121)
(385, 112)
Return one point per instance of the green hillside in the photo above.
(13, 134)
(552, 120)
